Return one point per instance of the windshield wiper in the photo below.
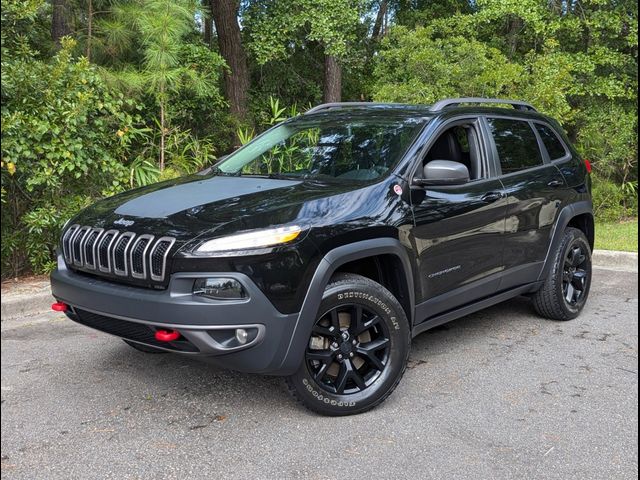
(217, 171)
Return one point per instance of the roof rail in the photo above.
(454, 102)
(329, 106)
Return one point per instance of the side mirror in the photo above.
(443, 172)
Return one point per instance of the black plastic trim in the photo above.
(177, 308)
(564, 217)
(328, 265)
(473, 307)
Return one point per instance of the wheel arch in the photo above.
(578, 215)
(584, 222)
(388, 252)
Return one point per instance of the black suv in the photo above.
(319, 249)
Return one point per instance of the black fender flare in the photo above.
(565, 216)
(326, 268)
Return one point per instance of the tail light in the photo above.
(587, 164)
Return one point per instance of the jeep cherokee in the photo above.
(319, 249)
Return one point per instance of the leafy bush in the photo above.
(612, 202)
(63, 139)
(43, 226)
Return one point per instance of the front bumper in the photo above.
(207, 326)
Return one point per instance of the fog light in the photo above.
(219, 288)
(241, 336)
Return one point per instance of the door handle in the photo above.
(492, 197)
(555, 183)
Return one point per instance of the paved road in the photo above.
(499, 394)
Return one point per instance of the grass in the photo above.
(618, 236)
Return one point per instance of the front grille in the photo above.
(138, 332)
(111, 252)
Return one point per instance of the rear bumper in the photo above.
(207, 327)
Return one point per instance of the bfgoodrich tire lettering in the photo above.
(565, 290)
(358, 349)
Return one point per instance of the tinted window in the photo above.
(348, 149)
(516, 143)
(551, 142)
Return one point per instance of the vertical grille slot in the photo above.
(88, 249)
(76, 246)
(104, 249)
(120, 250)
(158, 255)
(138, 256)
(66, 242)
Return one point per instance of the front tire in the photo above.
(566, 289)
(357, 351)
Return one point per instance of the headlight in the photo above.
(251, 240)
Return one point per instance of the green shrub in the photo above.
(64, 140)
(43, 227)
(613, 202)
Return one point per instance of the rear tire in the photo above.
(357, 351)
(143, 348)
(566, 289)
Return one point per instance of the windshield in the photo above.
(346, 149)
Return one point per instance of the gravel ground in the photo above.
(499, 394)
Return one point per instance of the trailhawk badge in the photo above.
(124, 222)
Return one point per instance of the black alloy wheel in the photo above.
(356, 351)
(348, 349)
(575, 273)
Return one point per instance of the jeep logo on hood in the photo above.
(124, 222)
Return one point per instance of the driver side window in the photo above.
(458, 144)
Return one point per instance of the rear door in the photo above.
(535, 191)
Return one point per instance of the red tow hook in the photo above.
(59, 307)
(167, 335)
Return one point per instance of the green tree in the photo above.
(577, 62)
(161, 27)
(331, 23)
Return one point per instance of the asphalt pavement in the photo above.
(499, 394)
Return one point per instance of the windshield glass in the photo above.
(346, 149)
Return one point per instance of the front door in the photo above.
(458, 230)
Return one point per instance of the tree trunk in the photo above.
(208, 30)
(515, 28)
(89, 29)
(236, 79)
(378, 26)
(59, 21)
(332, 80)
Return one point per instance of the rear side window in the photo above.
(552, 143)
(516, 143)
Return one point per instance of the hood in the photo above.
(192, 206)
